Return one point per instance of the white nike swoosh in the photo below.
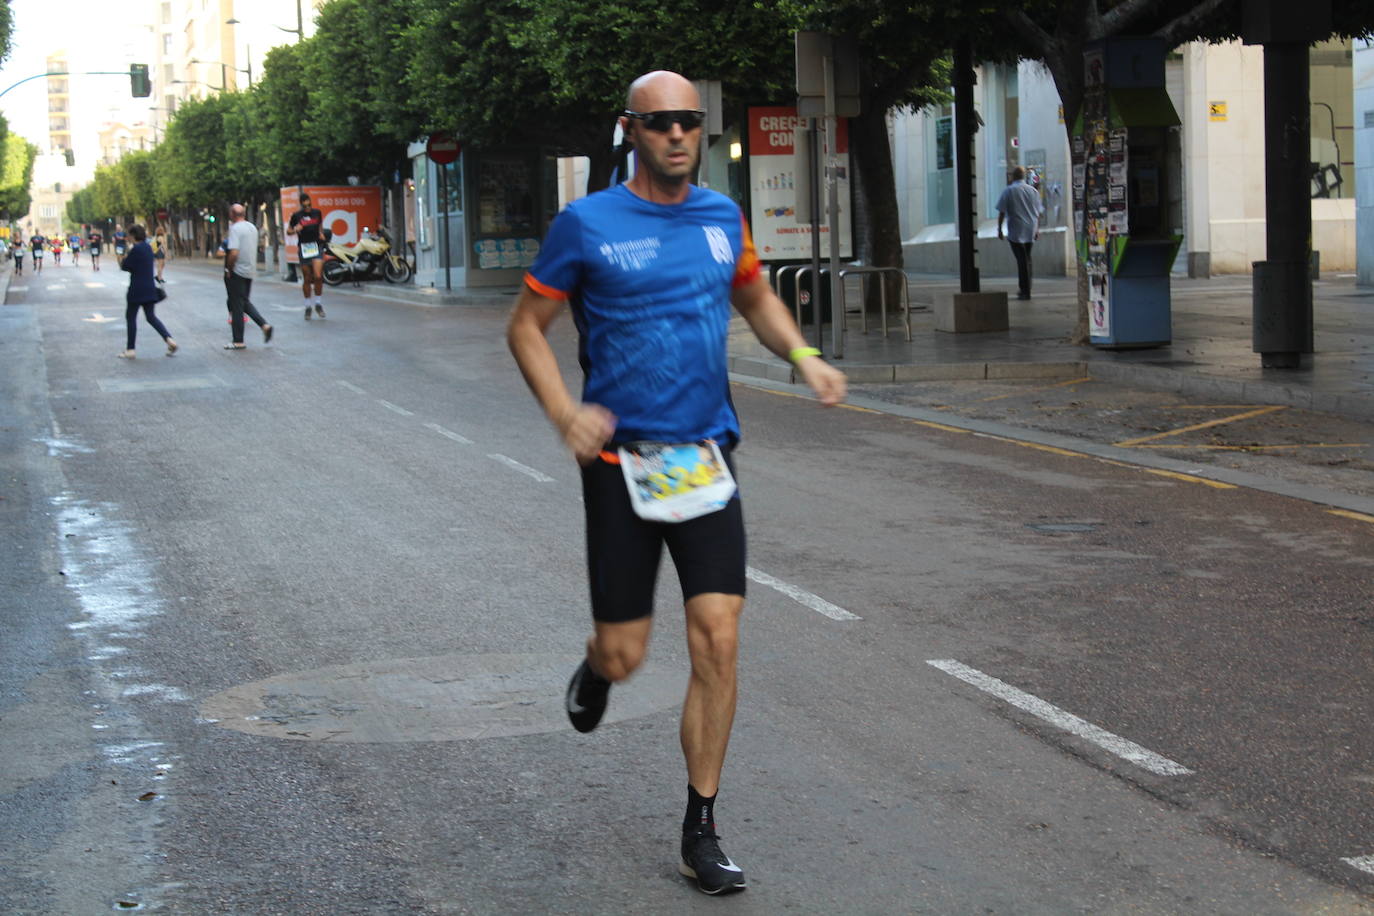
(731, 866)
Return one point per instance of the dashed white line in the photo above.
(448, 433)
(1115, 744)
(801, 596)
(1363, 863)
(351, 387)
(395, 408)
(522, 468)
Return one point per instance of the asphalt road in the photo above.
(286, 631)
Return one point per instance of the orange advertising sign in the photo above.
(348, 211)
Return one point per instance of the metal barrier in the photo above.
(794, 273)
(778, 278)
(864, 273)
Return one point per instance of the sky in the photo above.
(96, 36)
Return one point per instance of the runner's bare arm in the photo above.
(585, 428)
(773, 324)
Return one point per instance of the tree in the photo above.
(554, 72)
(195, 171)
(363, 37)
(6, 30)
(133, 175)
(290, 152)
(16, 177)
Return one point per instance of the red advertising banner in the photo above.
(770, 132)
(775, 186)
(348, 211)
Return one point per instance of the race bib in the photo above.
(675, 482)
(310, 249)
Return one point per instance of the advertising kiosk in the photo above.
(1127, 191)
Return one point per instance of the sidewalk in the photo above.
(1210, 354)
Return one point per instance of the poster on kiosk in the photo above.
(775, 188)
(348, 211)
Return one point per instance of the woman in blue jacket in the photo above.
(143, 291)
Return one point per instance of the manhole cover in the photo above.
(444, 698)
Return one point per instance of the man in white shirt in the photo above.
(240, 264)
(1021, 208)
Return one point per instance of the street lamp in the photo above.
(300, 24)
(197, 83)
(247, 52)
(225, 68)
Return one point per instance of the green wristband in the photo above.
(799, 352)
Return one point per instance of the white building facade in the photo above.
(1218, 92)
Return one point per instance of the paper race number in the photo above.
(674, 482)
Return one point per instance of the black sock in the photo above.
(701, 811)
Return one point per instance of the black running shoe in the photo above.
(586, 699)
(703, 860)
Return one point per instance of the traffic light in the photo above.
(139, 84)
(70, 155)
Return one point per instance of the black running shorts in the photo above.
(623, 550)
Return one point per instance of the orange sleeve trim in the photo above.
(548, 292)
(609, 457)
(748, 266)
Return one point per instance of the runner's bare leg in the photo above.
(709, 710)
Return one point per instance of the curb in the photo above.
(776, 370)
(1155, 378)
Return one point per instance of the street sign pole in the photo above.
(443, 150)
(832, 189)
(443, 193)
(828, 88)
(813, 184)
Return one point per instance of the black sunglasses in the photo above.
(663, 121)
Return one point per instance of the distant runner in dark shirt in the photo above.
(306, 224)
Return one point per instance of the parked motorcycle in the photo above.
(369, 258)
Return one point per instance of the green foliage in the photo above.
(6, 30)
(133, 176)
(195, 169)
(16, 176)
(554, 72)
(289, 150)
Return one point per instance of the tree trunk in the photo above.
(871, 154)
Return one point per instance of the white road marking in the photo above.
(351, 387)
(1115, 744)
(802, 597)
(448, 433)
(90, 285)
(395, 408)
(522, 468)
(97, 318)
(1363, 863)
(19, 289)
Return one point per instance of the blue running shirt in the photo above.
(649, 287)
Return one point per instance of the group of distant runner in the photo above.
(93, 244)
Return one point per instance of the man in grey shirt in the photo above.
(240, 263)
(1020, 207)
